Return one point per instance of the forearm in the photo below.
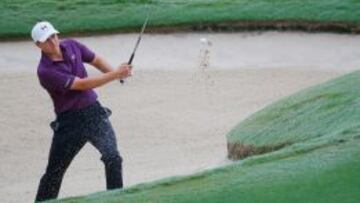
(94, 81)
(101, 64)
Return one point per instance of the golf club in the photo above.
(137, 43)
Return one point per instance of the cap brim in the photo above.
(47, 35)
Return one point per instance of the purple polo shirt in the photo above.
(58, 76)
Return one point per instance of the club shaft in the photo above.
(137, 44)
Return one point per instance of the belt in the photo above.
(85, 112)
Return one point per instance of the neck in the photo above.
(56, 55)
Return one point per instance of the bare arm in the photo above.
(96, 81)
(102, 65)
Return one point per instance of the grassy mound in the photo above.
(321, 164)
(330, 111)
(83, 16)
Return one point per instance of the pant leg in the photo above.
(65, 145)
(102, 137)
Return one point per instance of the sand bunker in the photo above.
(171, 117)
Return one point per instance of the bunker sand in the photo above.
(170, 119)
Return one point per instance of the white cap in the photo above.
(42, 31)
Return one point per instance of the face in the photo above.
(51, 45)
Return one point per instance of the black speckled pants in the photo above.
(72, 130)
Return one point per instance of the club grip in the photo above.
(131, 58)
(129, 62)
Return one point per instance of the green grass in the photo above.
(79, 16)
(329, 111)
(322, 165)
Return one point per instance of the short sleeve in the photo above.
(87, 55)
(53, 80)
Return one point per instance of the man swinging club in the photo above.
(80, 118)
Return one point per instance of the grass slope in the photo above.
(320, 166)
(325, 112)
(74, 16)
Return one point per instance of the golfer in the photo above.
(80, 118)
